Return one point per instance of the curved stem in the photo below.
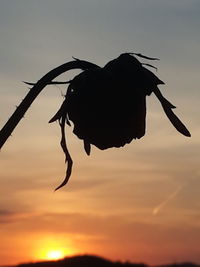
(10, 125)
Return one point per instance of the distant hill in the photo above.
(94, 261)
(81, 261)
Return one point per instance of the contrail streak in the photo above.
(169, 198)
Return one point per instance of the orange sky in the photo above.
(138, 203)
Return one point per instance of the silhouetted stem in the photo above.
(8, 128)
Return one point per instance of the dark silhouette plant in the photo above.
(106, 105)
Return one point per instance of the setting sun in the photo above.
(52, 248)
(55, 255)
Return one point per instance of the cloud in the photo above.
(6, 216)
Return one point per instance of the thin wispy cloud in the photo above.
(172, 196)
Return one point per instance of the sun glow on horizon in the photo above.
(52, 253)
(53, 249)
(55, 255)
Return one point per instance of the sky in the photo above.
(139, 203)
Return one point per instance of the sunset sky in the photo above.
(139, 203)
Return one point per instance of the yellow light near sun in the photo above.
(52, 249)
(55, 255)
